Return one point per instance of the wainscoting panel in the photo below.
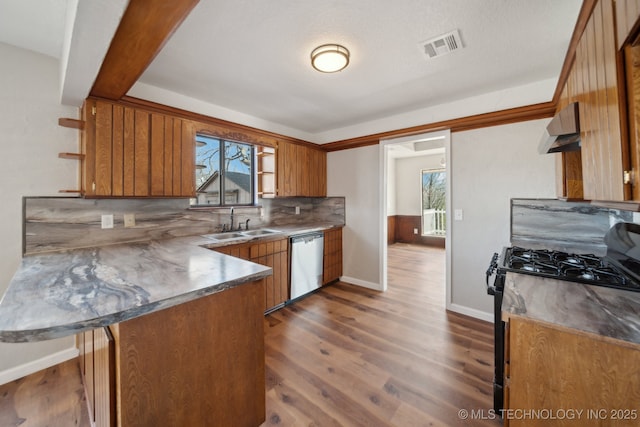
(404, 226)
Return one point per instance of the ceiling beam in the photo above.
(91, 25)
(144, 29)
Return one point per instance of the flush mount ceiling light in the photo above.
(330, 58)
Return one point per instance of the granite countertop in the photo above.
(61, 293)
(599, 310)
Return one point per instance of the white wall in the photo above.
(487, 168)
(532, 93)
(490, 166)
(30, 140)
(408, 181)
(355, 174)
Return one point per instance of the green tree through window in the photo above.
(434, 202)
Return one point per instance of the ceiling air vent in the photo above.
(442, 44)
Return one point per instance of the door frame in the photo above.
(384, 178)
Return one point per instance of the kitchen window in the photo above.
(225, 172)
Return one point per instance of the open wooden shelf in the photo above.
(71, 123)
(72, 156)
(266, 171)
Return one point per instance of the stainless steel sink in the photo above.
(259, 232)
(240, 234)
(224, 236)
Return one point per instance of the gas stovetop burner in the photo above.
(582, 268)
(620, 269)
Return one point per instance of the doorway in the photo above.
(403, 203)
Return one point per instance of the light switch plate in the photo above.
(457, 214)
(129, 220)
(107, 221)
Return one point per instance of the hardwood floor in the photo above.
(53, 397)
(349, 356)
(345, 356)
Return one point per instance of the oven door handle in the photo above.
(493, 265)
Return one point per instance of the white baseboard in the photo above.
(363, 283)
(471, 312)
(20, 371)
(456, 308)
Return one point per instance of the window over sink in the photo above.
(225, 172)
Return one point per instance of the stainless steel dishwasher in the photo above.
(307, 251)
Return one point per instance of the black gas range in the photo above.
(619, 268)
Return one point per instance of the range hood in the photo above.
(563, 132)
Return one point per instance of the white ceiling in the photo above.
(36, 25)
(252, 56)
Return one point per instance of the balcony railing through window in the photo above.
(434, 222)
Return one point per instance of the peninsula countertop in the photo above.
(61, 293)
(607, 312)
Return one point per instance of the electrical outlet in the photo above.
(107, 221)
(129, 220)
(415, 231)
(297, 210)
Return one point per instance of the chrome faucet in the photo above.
(231, 220)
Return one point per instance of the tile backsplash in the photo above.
(55, 223)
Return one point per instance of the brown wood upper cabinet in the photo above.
(132, 152)
(302, 171)
(627, 14)
(595, 83)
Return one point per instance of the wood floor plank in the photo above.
(333, 401)
(435, 362)
(345, 356)
(331, 369)
(53, 397)
(396, 359)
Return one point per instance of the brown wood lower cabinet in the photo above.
(97, 361)
(274, 254)
(554, 371)
(199, 363)
(332, 263)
